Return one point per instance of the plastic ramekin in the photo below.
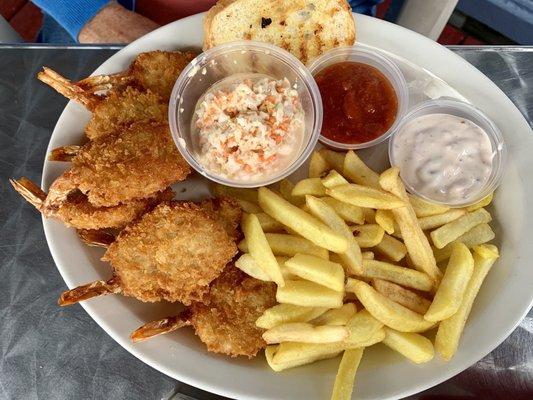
(386, 66)
(467, 111)
(236, 58)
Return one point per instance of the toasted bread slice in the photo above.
(306, 28)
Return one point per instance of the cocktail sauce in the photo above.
(359, 102)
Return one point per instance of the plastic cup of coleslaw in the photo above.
(242, 59)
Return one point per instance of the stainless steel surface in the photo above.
(52, 353)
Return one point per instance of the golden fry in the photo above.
(452, 230)
(345, 379)
(363, 196)
(358, 172)
(391, 248)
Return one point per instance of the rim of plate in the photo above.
(419, 57)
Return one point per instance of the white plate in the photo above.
(505, 297)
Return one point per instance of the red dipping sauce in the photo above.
(359, 102)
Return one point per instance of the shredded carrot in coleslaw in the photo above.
(249, 128)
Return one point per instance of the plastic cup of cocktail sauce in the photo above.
(242, 57)
(369, 56)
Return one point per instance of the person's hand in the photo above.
(115, 24)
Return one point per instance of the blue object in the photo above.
(367, 7)
(512, 18)
(71, 14)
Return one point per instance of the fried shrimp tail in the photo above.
(159, 327)
(90, 290)
(96, 237)
(68, 89)
(32, 193)
(98, 83)
(64, 153)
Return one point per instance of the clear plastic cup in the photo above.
(386, 66)
(242, 57)
(467, 111)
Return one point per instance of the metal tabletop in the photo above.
(52, 353)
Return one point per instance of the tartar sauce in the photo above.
(443, 157)
(248, 126)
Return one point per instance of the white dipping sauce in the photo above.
(443, 157)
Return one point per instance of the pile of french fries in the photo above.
(358, 261)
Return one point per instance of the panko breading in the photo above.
(154, 70)
(76, 211)
(133, 164)
(225, 321)
(121, 109)
(172, 253)
(227, 324)
(158, 70)
(226, 211)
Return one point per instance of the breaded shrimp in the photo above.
(226, 211)
(226, 321)
(172, 253)
(154, 70)
(132, 164)
(76, 211)
(120, 110)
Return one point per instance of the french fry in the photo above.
(249, 207)
(370, 215)
(385, 219)
(416, 242)
(269, 355)
(305, 333)
(451, 329)
(293, 354)
(287, 275)
(394, 273)
(269, 224)
(301, 222)
(487, 251)
(362, 327)
(336, 316)
(485, 201)
(376, 337)
(286, 313)
(387, 311)
(312, 186)
(478, 235)
(259, 248)
(391, 248)
(401, 295)
(358, 172)
(317, 165)
(452, 230)
(345, 379)
(368, 235)
(334, 159)
(364, 196)
(434, 221)
(351, 258)
(318, 270)
(367, 255)
(452, 287)
(347, 212)
(423, 208)
(309, 294)
(285, 189)
(333, 178)
(414, 346)
(283, 244)
(249, 266)
(248, 195)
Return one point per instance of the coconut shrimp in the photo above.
(225, 321)
(172, 253)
